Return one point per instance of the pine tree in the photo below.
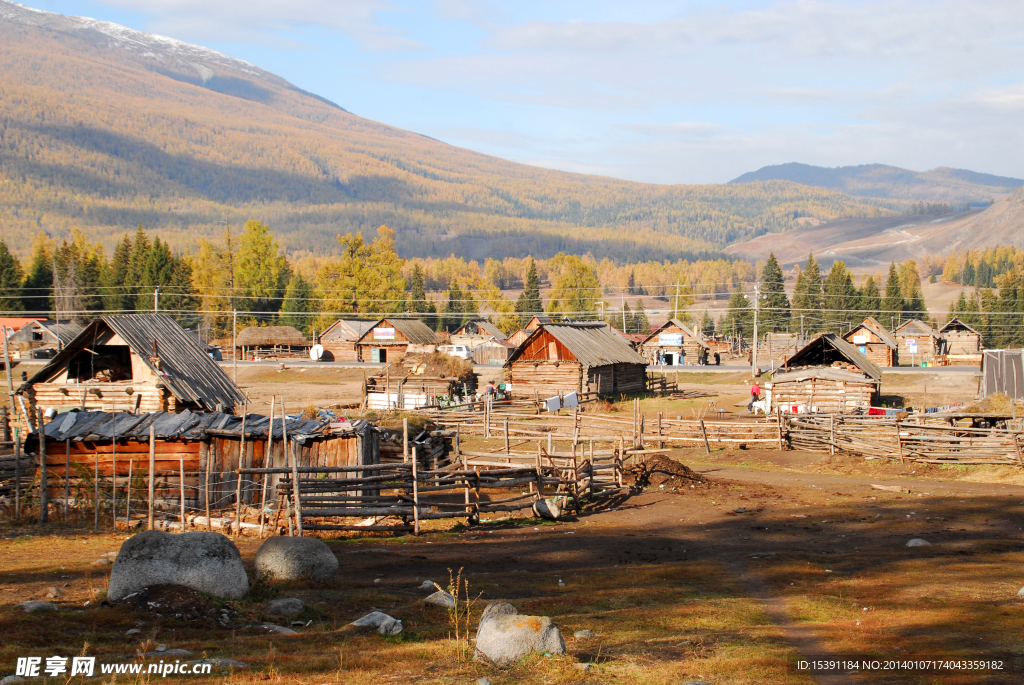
(839, 295)
(156, 273)
(10, 280)
(38, 284)
(298, 301)
(774, 314)
(807, 297)
(631, 284)
(262, 273)
(136, 268)
(529, 302)
(640, 323)
(870, 299)
(707, 325)
(453, 308)
(892, 303)
(740, 319)
(116, 293)
(417, 302)
(626, 318)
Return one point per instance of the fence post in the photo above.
(17, 471)
(405, 440)
(415, 495)
(181, 488)
(295, 486)
(508, 449)
(206, 489)
(152, 468)
(704, 434)
(67, 480)
(238, 482)
(778, 413)
(43, 514)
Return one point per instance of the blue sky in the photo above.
(665, 92)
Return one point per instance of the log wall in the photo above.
(822, 395)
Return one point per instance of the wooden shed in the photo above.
(917, 343)
(271, 341)
(201, 449)
(582, 357)
(388, 339)
(538, 321)
(960, 342)
(339, 339)
(676, 343)
(138, 362)
(827, 375)
(42, 339)
(477, 332)
(874, 342)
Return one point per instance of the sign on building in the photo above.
(383, 333)
(670, 339)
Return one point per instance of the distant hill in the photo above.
(103, 128)
(874, 242)
(940, 185)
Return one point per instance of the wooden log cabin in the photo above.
(918, 343)
(874, 342)
(676, 343)
(339, 340)
(390, 338)
(582, 357)
(137, 362)
(523, 333)
(203, 448)
(828, 375)
(42, 339)
(960, 342)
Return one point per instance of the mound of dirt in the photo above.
(998, 404)
(662, 471)
(174, 601)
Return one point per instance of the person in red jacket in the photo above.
(755, 395)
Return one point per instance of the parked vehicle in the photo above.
(460, 351)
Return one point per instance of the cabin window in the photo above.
(101, 363)
(37, 336)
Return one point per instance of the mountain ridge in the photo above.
(938, 185)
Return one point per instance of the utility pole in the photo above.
(156, 300)
(802, 327)
(623, 310)
(234, 345)
(757, 306)
(676, 315)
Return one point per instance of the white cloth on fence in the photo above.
(553, 403)
(571, 401)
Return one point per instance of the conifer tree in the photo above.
(116, 296)
(740, 319)
(11, 277)
(297, 302)
(892, 303)
(838, 293)
(774, 314)
(807, 297)
(529, 302)
(640, 323)
(707, 324)
(38, 284)
(869, 299)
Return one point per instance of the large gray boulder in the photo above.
(505, 636)
(206, 562)
(283, 558)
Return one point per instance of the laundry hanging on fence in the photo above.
(571, 401)
(553, 403)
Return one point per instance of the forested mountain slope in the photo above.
(939, 185)
(104, 128)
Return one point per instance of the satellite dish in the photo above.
(316, 352)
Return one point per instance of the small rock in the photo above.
(52, 593)
(560, 583)
(161, 648)
(919, 542)
(479, 681)
(381, 622)
(584, 667)
(583, 634)
(35, 605)
(221, 664)
(285, 607)
(1020, 593)
(166, 653)
(280, 630)
(12, 679)
(740, 510)
(547, 509)
(441, 599)
(426, 585)
(102, 561)
(133, 631)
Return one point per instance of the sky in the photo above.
(662, 92)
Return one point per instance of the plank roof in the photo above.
(484, 327)
(872, 325)
(916, 328)
(186, 370)
(955, 324)
(699, 339)
(829, 347)
(592, 343)
(417, 332)
(254, 336)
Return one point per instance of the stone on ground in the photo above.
(379, 621)
(1020, 592)
(12, 679)
(221, 664)
(583, 634)
(547, 509)
(919, 542)
(285, 607)
(205, 562)
(426, 585)
(35, 605)
(280, 630)
(167, 653)
(505, 636)
(441, 599)
(284, 558)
